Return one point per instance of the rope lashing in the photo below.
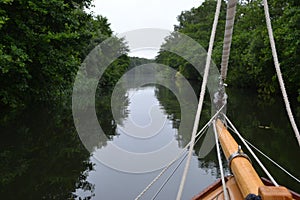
(220, 97)
(230, 16)
(201, 99)
(278, 71)
(252, 197)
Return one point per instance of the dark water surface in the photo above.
(42, 156)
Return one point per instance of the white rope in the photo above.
(202, 93)
(161, 187)
(180, 154)
(278, 71)
(279, 166)
(270, 159)
(159, 175)
(252, 153)
(165, 182)
(220, 162)
(230, 15)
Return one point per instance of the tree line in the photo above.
(251, 63)
(43, 43)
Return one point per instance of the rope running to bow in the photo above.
(180, 154)
(278, 71)
(202, 93)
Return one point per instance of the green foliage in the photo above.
(251, 62)
(119, 66)
(42, 45)
(136, 61)
(196, 24)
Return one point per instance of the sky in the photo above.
(127, 15)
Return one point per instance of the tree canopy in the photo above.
(251, 62)
(42, 44)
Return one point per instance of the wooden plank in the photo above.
(215, 191)
(267, 182)
(243, 171)
(274, 193)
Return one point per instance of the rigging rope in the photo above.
(220, 97)
(180, 154)
(220, 161)
(252, 153)
(202, 93)
(166, 181)
(271, 160)
(276, 164)
(278, 71)
(162, 186)
(230, 15)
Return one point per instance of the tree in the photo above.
(251, 63)
(196, 24)
(42, 45)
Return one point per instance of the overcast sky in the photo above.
(127, 15)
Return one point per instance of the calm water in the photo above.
(43, 158)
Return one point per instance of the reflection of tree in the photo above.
(172, 108)
(210, 164)
(107, 97)
(252, 117)
(41, 155)
(107, 120)
(265, 124)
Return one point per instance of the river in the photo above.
(42, 156)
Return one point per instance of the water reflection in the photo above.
(146, 125)
(144, 111)
(41, 155)
(145, 104)
(264, 122)
(245, 109)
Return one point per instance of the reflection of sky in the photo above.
(136, 133)
(113, 184)
(141, 101)
(146, 140)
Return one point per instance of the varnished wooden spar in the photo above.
(245, 175)
(245, 180)
(243, 171)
